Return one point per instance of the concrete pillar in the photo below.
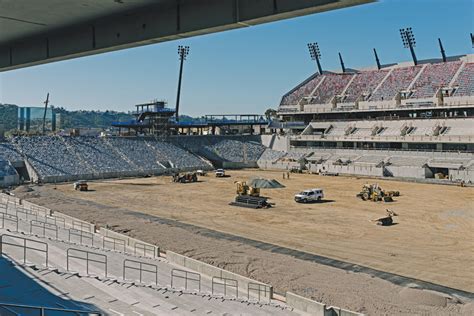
(439, 146)
(404, 145)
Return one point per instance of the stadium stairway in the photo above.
(71, 268)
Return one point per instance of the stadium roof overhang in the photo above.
(35, 32)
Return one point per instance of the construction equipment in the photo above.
(387, 220)
(187, 177)
(244, 189)
(81, 185)
(248, 195)
(373, 192)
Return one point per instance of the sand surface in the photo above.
(433, 239)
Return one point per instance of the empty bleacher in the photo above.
(434, 77)
(465, 81)
(332, 85)
(90, 272)
(398, 80)
(363, 85)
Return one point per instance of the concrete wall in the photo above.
(466, 175)
(276, 142)
(406, 172)
(209, 270)
(305, 304)
(116, 175)
(366, 170)
(314, 308)
(129, 241)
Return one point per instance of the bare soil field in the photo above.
(432, 240)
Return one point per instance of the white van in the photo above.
(310, 195)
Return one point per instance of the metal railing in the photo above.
(82, 225)
(155, 251)
(88, 258)
(141, 267)
(43, 310)
(113, 241)
(260, 289)
(24, 246)
(44, 227)
(187, 276)
(82, 235)
(10, 218)
(225, 283)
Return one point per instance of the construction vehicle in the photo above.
(373, 192)
(248, 196)
(187, 177)
(201, 173)
(81, 185)
(386, 220)
(244, 189)
(220, 173)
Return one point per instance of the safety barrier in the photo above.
(55, 220)
(44, 227)
(82, 235)
(24, 246)
(115, 242)
(82, 226)
(225, 283)
(9, 218)
(142, 267)
(27, 213)
(155, 251)
(87, 258)
(187, 276)
(260, 289)
(42, 310)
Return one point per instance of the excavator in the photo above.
(386, 220)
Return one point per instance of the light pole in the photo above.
(183, 52)
(315, 55)
(408, 40)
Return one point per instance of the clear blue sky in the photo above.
(244, 70)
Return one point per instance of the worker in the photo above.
(283, 176)
(288, 175)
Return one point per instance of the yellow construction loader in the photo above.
(244, 189)
(373, 192)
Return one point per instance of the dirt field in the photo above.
(433, 239)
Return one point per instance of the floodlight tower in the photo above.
(441, 48)
(343, 67)
(377, 60)
(183, 52)
(408, 40)
(315, 55)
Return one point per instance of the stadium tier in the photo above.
(55, 264)
(436, 83)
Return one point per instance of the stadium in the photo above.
(146, 239)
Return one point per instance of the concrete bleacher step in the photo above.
(111, 293)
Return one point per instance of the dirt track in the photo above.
(433, 239)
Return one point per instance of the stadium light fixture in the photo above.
(315, 54)
(408, 40)
(183, 52)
